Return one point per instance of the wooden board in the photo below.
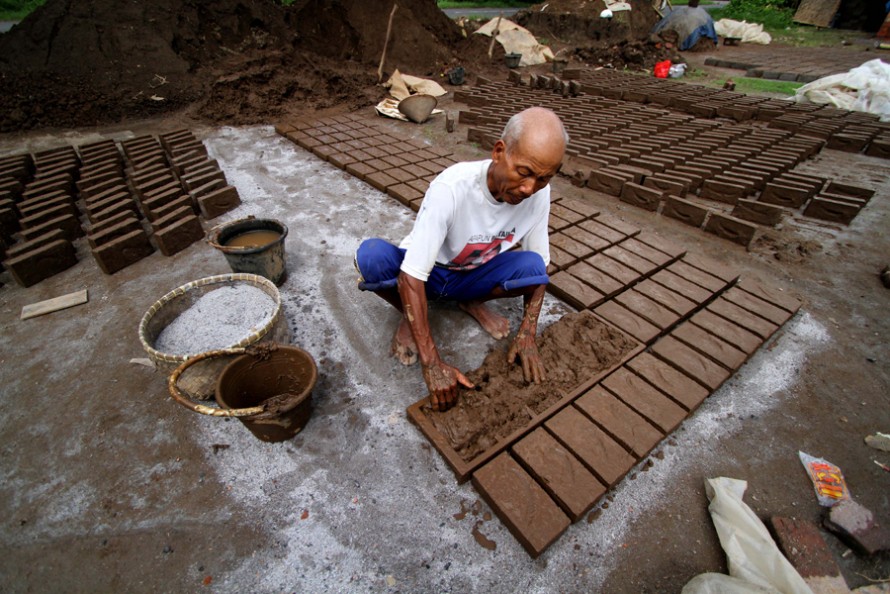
(817, 12)
(55, 304)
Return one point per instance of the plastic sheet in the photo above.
(517, 40)
(691, 24)
(747, 32)
(865, 88)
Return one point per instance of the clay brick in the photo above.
(630, 259)
(93, 180)
(171, 217)
(627, 321)
(672, 300)
(562, 212)
(738, 315)
(168, 196)
(179, 235)
(620, 421)
(803, 545)
(404, 193)
(731, 228)
(608, 181)
(690, 362)
(583, 208)
(123, 205)
(645, 399)
(641, 196)
(721, 327)
(218, 202)
(533, 518)
(757, 306)
(709, 345)
(770, 295)
(785, 195)
(684, 211)
(594, 242)
(758, 212)
(96, 207)
(197, 181)
(109, 221)
(728, 193)
(34, 192)
(160, 212)
(667, 185)
(643, 250)
(39, 241)
(575, 249)
(123, 251)
(122, 228)
(857, 526)
(33, 207)
(712, 267)
(209, 187)
(106, 192)
(600, 281)
(13, 186)
(561, 474)
(650, 310)
(45, 215)
(684, 391)
(613, 268)
(601, 454)
(600, 230)
(688, 289)
(31, 267)
(574, 292)
(834, 211)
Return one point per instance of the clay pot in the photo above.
(418, 108)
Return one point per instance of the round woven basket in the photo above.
(167, 308)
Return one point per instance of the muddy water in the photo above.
(253, 239)
(573, 350)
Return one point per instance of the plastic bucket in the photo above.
(456, 75)
(280, 380)
(265, 260)
(512, 60)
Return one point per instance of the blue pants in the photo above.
(379, 262)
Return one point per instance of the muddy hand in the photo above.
(442, 381)
(525, 348)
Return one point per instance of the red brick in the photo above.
(619, 420)
(613, 268)
(672, 300)
(857, 526)
(601, 454)
(608, 181)
(533, 518)
(712, 267)
(723, 328)
(218, 202)
(644, 398)
(646, 308)
(731, 228)
(803, 545)
(723, 191)
(758, 212)
(31, 267)
(600, 230)
(123, 251)
(637, 247)
(633, 261)
(690, 362)
(178, 235)
(561, 474)
(834, 211)
(738, 315)
(785, 195)
(628, 321)
(679, 387)
(641, 196)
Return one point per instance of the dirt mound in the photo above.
(578, 22)
(83, 62)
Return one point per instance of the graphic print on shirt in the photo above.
(480, 249)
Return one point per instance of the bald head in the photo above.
(537, 130)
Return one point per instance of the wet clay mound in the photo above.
(83, 62)
(579, 22)
(573, 350)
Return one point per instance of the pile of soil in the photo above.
(84, 62)
(573, 350)
(578, 22)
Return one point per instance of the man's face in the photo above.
(516, 174)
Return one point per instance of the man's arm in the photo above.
(440, 378)
(524, 345)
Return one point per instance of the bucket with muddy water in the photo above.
(268, 388)
(252, 245)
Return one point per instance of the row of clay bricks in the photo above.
(775, 72)
(117, 187)
(791, 63)
(844, 130)
(555, 474)
(400, 167)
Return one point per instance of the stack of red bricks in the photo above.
(136, 195)
(724, 177)
(400, 167)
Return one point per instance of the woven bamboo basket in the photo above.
(201, 379)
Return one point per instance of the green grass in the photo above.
(686, 2)
(16, 10)
(743, 84)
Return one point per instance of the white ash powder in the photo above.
(217, 320)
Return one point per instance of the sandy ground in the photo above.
(109, 485)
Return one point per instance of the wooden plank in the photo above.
(55, 304)
(817, 12)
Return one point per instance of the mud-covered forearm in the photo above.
(413, 294)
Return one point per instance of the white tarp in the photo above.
(517, 40)
(755, 563)
(747, 32)
(864, 88)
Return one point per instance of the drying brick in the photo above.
(627, 321)
(31, 267)
(645, 399)
(218, 202)
(684, 391)
(127, 225)
(619, 420)
(178, 235)
(690, 362)
(731, 228)
(709, 345)
(685, 211)
(601, 454)
(123, 251)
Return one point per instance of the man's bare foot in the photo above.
(403, 345)
(496, 325)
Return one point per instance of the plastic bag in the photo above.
(662, 69)
(828, 480)
(677, 70)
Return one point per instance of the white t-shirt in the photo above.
(461, 226)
